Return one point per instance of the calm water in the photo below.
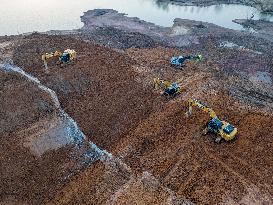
(21, 16)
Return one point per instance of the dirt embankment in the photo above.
(25, 113)
(170, 148)
(115, 106)
(100, 91)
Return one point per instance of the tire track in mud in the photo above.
(224, 165)
(237, 162)
(195, 155)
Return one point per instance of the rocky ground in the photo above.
(147, 151)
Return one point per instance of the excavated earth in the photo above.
(157, 155)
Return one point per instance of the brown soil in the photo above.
(172, 148)
(25, 177)
(160, 156)
(99, 91)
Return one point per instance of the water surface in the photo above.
(21, 16)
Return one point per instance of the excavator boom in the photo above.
(161, 83)
(193, 102)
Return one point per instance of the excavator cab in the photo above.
(179, 61)
(215, 125)
(229, 129)
(68, 56)
(172, 90)
(65, 57)
(222, 129)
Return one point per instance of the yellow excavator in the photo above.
(170, 89)
(67, 56)
(222, 129)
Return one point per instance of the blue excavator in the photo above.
(179, 61)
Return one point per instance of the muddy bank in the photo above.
(116, 30)
(100, 91)
(109, 27)
(40, 146)
(263, 29)
(262, 5)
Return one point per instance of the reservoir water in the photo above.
(17, 16)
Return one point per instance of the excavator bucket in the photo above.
(189, 112)
(45, 62)
(189, 106)
(46, 66)
(156, 83)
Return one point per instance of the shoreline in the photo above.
(262, 5)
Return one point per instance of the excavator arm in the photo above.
(161, 83)
(193, 102)
(47, 56)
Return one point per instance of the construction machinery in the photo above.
(222, 129)
(67, 56)
(170, 89)
(179, 61)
